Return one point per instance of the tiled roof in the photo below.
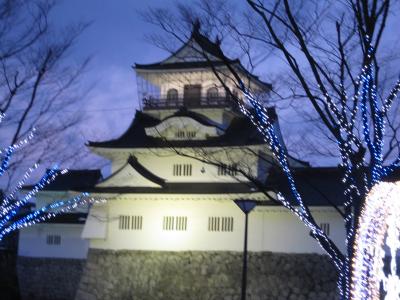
(73, 179)
(320, 186)
(182, 188)
(68, 218)
(209, 47)
(239, 132)
(181, 65)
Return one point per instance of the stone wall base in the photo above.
(150, 275)
(48, 278)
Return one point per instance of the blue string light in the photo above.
(372, 114)
(11, 215)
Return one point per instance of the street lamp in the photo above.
(246, 206)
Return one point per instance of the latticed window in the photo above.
(180, 134)
(190, 134)
(325, 228)
(220, 224)
(53, 239)
(212, 93)
(185, 134)
(182, 170)
(130, 223)
(181, 223)
(172, 94)
(227, 170)
(178, 223)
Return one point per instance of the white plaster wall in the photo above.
(32, 241)
(177, 79)
(96, 222)
(270, 229)
(161, 161)
(276, 229)
(169, 127)
(162, 164)
(127, 176)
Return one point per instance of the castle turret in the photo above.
(188, 78)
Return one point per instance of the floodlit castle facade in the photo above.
(176, 171)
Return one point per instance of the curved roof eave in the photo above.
(239, 133)
(138, 167)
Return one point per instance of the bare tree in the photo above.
(38, 82)
(338, 71)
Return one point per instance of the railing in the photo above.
(199, 102)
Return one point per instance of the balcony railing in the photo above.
(199, 102)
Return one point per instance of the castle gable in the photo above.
(190, 52)
(132, 174)
(182, 128)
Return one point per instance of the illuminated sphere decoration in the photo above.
(377, 235)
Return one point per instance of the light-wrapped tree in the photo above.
(336, 76)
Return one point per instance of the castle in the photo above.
(170, 228)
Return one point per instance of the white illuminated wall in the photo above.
(270, 228)
(160, 162)
(33, 241)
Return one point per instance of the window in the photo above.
(180, 134)
(175, 223)
(212, 93)
(182, 170)
(181, 223)
(53, 239)
(185, 134)
(227, 170)
(190, 134)
(213, 223)
(172, 94)
(168, 223)
(220, 224)
(325, 228)
(130, 223)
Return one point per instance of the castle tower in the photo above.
(178, 167)
(170, 228)
(170, 223)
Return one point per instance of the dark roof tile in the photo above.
(321, 186)
(73, 179)
(68, 218)
(239, 132)
(182, 188)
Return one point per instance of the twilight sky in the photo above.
(116, 40)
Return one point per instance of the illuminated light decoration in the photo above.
(8, 152)
(9, 218)
(372, 112)
(49, 211)
(10, 206)
(379, 218)
(9, 210)
(266, 127)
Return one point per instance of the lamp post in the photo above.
(246, 206)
